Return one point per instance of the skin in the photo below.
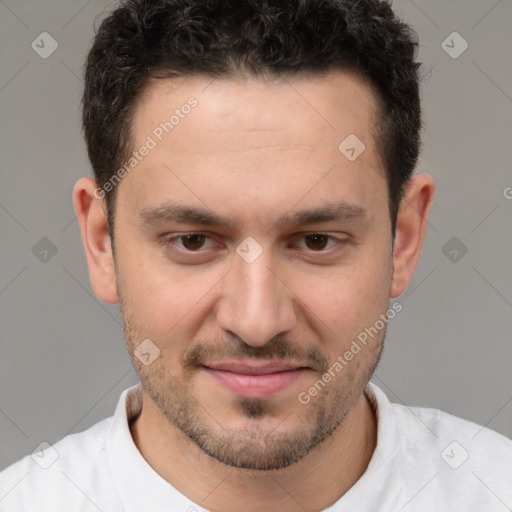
(253, 151)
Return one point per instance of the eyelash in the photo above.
(167, 242)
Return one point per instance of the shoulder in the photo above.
(441, 429)
(454, 458)
(59, 474)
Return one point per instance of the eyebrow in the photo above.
(192, 215)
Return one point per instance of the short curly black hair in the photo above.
(146, 39)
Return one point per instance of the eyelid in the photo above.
(166, 240)
(339, 240)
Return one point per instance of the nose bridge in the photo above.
(256, 305)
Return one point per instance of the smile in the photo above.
(256, 379)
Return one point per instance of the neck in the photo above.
(315, 482)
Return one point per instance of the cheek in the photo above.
(164, 300)
(150, 294)
(341, 303)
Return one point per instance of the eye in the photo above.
(199, 242)
(318, 242)
(191, 242)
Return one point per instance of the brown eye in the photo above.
(193, 242)
(316, 241)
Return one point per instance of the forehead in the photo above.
(228, 140)
(334, 102)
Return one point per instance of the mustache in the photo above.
(276, 349)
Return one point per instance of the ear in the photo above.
(91, 210)
(410, 230)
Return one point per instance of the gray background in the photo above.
(63, 361)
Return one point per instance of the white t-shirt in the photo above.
(425, 460)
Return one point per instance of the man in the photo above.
(253, 212)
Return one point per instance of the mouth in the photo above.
(255, 379)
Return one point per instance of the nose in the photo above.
(256, 303)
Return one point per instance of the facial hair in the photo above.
(256, 446)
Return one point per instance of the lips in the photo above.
(255, 379)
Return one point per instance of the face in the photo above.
(252, 252)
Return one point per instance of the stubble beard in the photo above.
(255, 447)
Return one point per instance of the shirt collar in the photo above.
(138, 485)
(141, 488)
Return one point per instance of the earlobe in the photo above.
(410, 230)
(92, 218)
